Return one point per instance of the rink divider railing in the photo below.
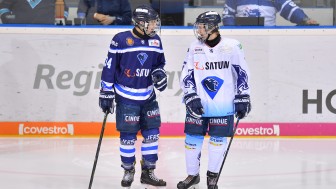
(92, 129)
(168, 30)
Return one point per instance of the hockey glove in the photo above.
(194, 105)
(159, 79)
(242, 106)
(8, 18)
(106, 99)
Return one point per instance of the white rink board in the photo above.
(283, 63)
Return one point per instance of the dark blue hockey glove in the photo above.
(106, 99)
(194, 105)
(242, 106)
(8, 18)
(159, 79)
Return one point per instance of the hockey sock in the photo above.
(149, 148)
(193, 147)
(127, 150)
(217, 147)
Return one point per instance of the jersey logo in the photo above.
(154, 42)
(142, 57)
(242, 84)
(114, 43)
(128, 73)
(197, 67)
(240, 46)
(211, 85)
(189, 81)
(33, 3)
(129, 41)
(198, 50)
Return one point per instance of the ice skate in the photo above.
(191, 182)
(211, 180)
(128, 178)
(148, 179)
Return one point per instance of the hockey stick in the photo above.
(98, 149)
(227, 151)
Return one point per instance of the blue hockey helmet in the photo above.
(208, 21)
(147, 19)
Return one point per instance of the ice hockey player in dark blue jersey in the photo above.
(265, 8)
(133, 68)
(214, 81)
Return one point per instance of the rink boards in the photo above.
(50, 80)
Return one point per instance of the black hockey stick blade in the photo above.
(98, 149)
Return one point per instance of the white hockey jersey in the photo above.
(216, 74)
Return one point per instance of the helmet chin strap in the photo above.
(213, 30)
(208, 37)
(209, 34)
(140, 35)
(147, 36)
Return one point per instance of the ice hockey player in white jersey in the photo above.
(265, 8)
(133, 68)
(215, 84)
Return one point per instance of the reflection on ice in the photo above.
(252, 163)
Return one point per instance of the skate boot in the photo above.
(191, 182)
(128, 178)
(211, 180)
(148, 178)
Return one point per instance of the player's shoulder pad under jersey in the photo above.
(155, 41)
(115, 41)
(195, 45)
(233, 43)
(120, 38)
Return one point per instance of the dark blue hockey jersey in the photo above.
(128, 66)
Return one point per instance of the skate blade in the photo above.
(147, 186)
(126, 187)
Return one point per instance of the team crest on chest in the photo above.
(33, 3)
(142, 57)
(129, 41)
(211, 85)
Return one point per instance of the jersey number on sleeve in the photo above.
(108, 62)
